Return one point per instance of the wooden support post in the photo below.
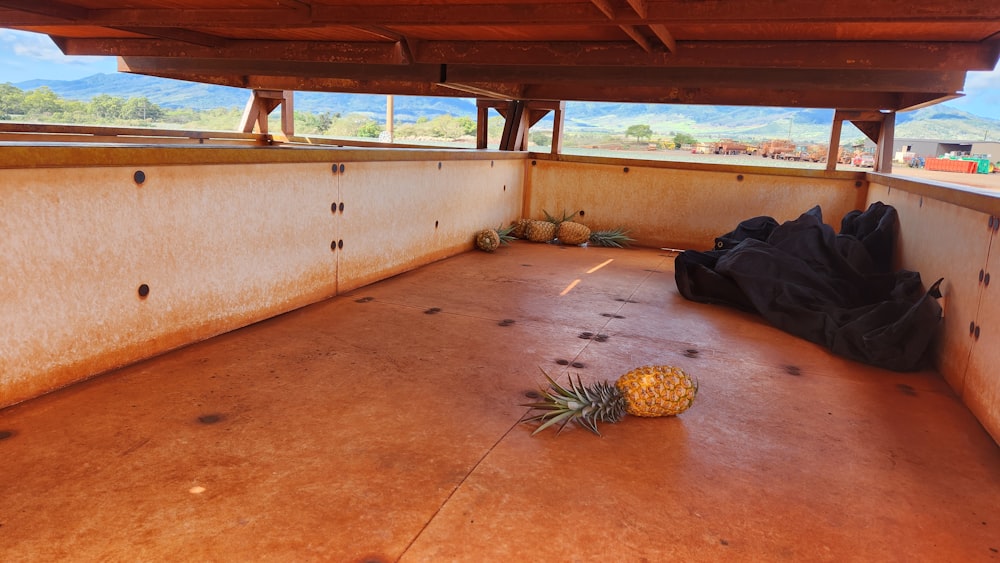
(557, 128)
(513, 127)
(259, 107)
(519, 116)
(482, 123)
(883, 154)
(390, 117)
(833, 153)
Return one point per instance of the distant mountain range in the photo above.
(704, 122)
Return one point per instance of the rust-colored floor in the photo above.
(383, 425)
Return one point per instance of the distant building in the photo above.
(904, 149)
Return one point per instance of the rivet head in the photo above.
(143, 291)
(977, 332)
(625, 169)
(986, 279)
(139, 177)
(739, 177)
(981, 275)
(333, 207)
(335, 168)
(340, 243)
(439, 166)
(341, 207)
(341, 168)
(333, 245)
(972, 327)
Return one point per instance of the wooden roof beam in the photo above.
(470, 78)
(943, 56)
(177, 34)
(585, 12)
(369, 52)
(53, 9)
(306, 69)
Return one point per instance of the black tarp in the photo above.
(838, 290)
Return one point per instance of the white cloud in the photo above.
(37, 47)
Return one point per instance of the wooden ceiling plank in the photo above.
(44, 13)
(341, 52)
(817, 55)
(174, 65)
(596, 12)
(859, 80)
(722, 54)
(592, 12)
(177, 34)
(55, 9)
(717, 96)
(608, 92)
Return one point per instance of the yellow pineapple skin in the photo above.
(657, 390)
(540, 231)
(520, 226)
(572, 233)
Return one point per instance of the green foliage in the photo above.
(541, 138)
(41, 101)
(11, 101)
(369, 129)
(639, 131)
(681, 139)
(44, 106)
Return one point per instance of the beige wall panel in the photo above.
(403, 214)
(218, 246)
(681, 208)
(982, 380)
(943, 240)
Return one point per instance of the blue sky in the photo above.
(26, 56)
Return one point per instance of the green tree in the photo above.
(541, 138)
(11, 100)
(140, 109)
(639, 131)
(106, 106)
(467, 124)
(41, 101)
(369, 129)
(681, 139)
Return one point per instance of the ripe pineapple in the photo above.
(617, 238)
(572, 233)
(644, 391)
(488, 240)
(545, 231)
(519, 227)
(540, 231)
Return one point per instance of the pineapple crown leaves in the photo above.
(555, 220)
(562, 406)
(506, 234)
(617, 238)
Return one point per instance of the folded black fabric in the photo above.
(838, 290)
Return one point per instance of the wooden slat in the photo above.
(588, 12)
